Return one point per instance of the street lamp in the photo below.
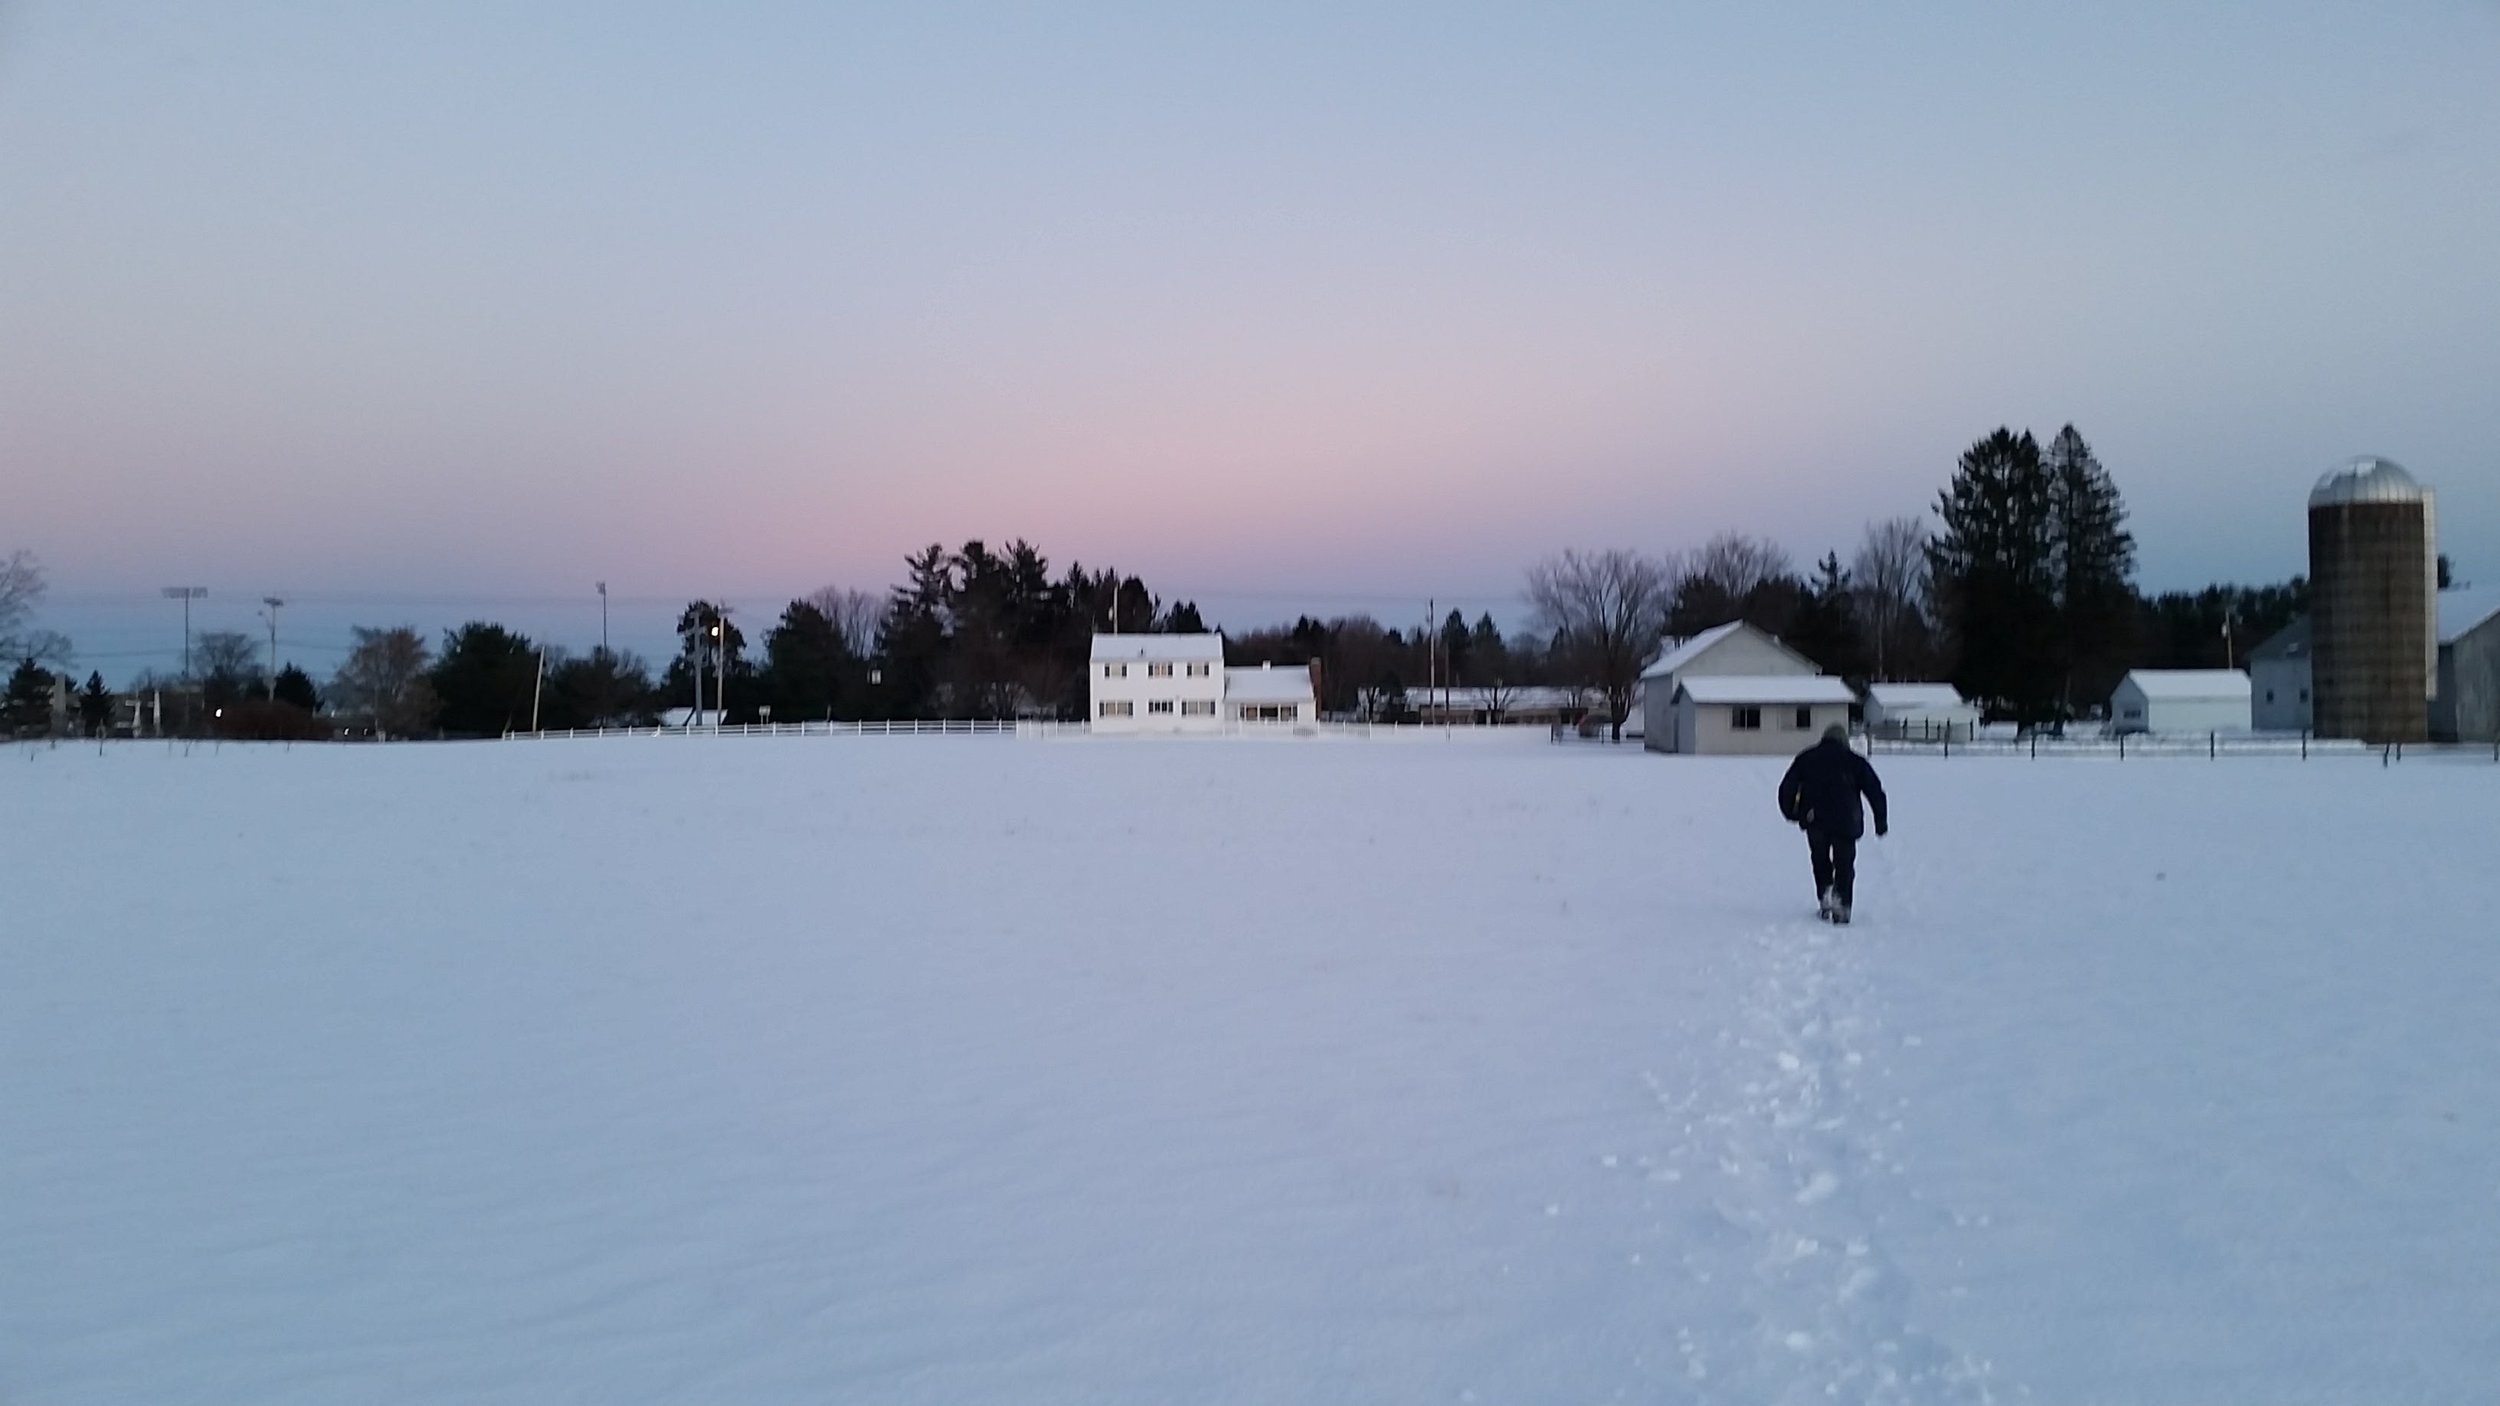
(186, 594)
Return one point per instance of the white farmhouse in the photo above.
(1757, 714)
(1269, 694)
(1156, 683)
(1735, 648)
(2181, 700)
(1930, 711)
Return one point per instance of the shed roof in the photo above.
(2463, 612)
(1158, 648)
(1895, 697)
(1766, 688)
(1265, 684)
(2290, 642)
(2186, 685)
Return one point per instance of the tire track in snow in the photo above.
(1783, 1179)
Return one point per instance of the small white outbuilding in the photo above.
(1757, 714)
(1270, 693)
(1927, 711)
(2181, 701)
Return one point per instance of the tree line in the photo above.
(2020, 592)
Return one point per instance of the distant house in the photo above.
(1735, 649)
(2278, 680)
(1921, 710)
(1757, 714)
(2181, 700)
(2467, 707)
(1538, 706)
(1270, 693)
(1157, 683)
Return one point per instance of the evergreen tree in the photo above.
(483, 680)
(606, 688)
(808, 668)
(295, 688)
(95, 706)
(2094, 561)
(1994, 570)
(1457, 648)
(27, 704)
(1826, 628)
(1488, 658)
(1182, 619)
(911, 640)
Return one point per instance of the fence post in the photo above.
(2122, 746)
(2304, 745)
(2212, 747)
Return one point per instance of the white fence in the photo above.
(1394, 732)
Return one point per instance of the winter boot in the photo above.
(1840, 914)
(1831, 907)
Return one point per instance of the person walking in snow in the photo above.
(1821, 793)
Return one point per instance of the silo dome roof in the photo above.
(2368, 479)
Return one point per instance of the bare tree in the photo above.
(855, 616)
(384, 680)
(21, 590)
(1737, 564)
(1605, 609)
(1889, 577)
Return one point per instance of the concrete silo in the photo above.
(2373, 573)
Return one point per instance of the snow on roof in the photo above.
(1896, 696)
(2179, 684)
(2460, 612)
(1158, 648)
(1263, 684)
(1684, 651)
(1767, 688)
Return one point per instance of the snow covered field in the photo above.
(952, 1070)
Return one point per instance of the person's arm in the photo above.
(1873, 788)
(1791, 793)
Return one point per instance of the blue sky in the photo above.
(1332, 303)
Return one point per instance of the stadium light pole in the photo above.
(185, 594)
(273, 603)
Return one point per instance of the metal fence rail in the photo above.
(2210, 745)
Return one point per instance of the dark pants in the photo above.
(1835, 865)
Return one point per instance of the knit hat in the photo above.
(1837, 732)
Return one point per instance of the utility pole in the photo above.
(539, 687)
(1432, 646)
(273, 603)
(720, 661)
(603, 617)
(186, 594)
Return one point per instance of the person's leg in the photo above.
(1819, 848)
(1845, 869)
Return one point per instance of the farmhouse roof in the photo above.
(1268, 684)
(2177, 685)
(1766, 688)
(1157, 648)
(2463, 612)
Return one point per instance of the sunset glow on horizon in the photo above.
(1338, 301)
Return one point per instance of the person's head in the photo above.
(1837, 732)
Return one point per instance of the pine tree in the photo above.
(28, 700)
(95, 706)
(1826, 628)
(2094, 559)
(1994, 569)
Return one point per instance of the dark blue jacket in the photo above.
(1822, 788)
